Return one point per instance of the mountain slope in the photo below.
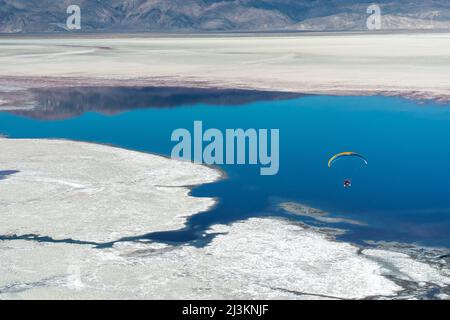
(219, 15)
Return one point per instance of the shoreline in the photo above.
(177, 180)
(314, 264)
(414, 65)
(23, 87)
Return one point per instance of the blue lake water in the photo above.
(402, 195)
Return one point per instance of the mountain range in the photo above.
(38, 16)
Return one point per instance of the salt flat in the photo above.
(254, 259)
(416, 65)
(82, 191)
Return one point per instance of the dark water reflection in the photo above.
(65, 103)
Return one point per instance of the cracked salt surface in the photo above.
(258, 258)
(54, 195)
(94, 193)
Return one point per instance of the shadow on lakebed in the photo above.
(5, 173)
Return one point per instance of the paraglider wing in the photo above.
(338, 156)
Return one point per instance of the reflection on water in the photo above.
(63, 103)
(402, 195)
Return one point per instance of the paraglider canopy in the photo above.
(348, 154)
(341, 155)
